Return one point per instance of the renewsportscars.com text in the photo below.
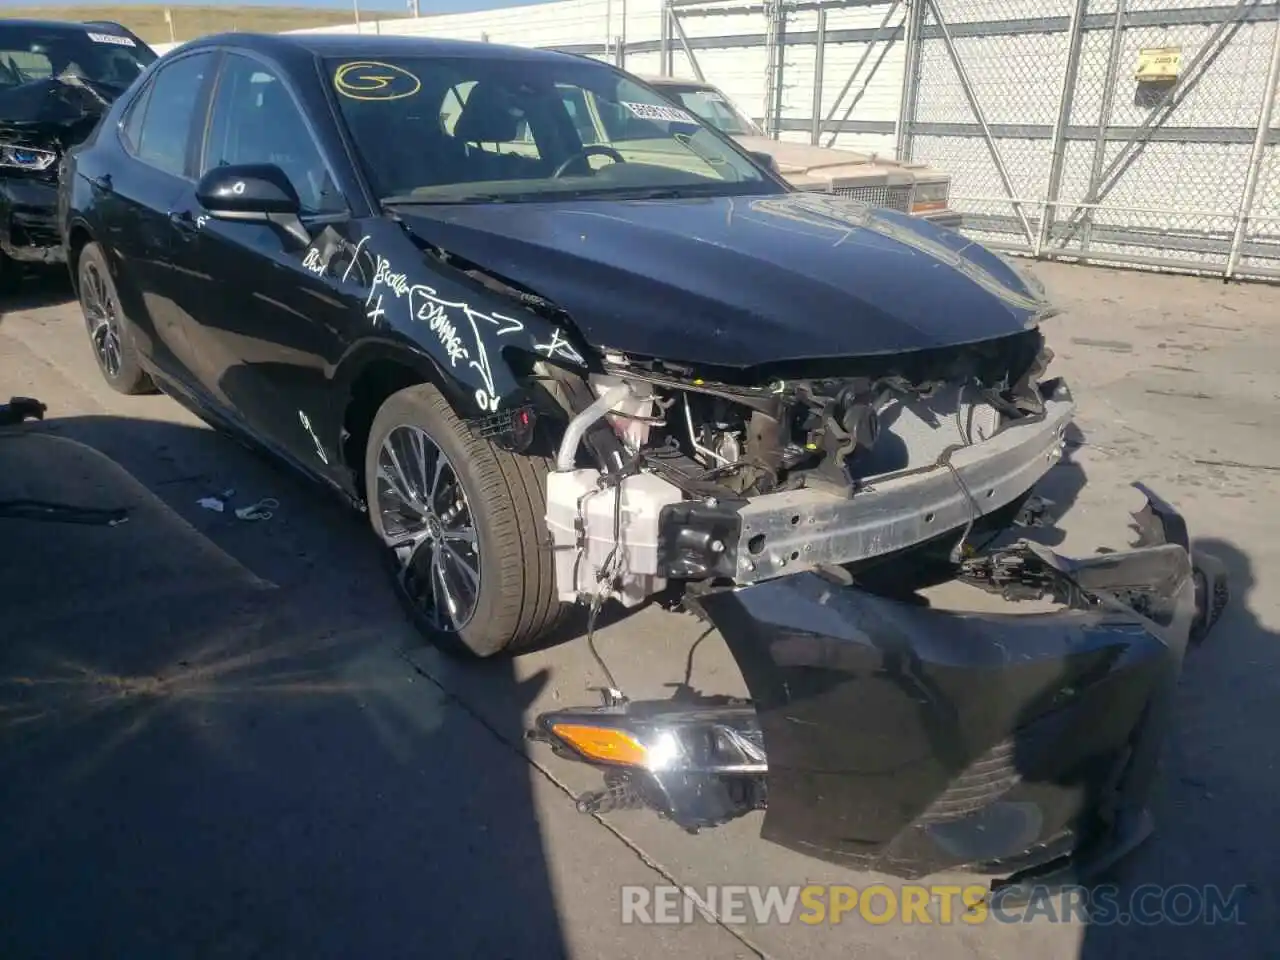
(880, 904)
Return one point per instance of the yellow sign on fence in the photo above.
(1159, 63)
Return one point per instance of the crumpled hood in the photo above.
(49, 113)
(742, 281)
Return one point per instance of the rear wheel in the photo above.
(109, 332)
(462, 522)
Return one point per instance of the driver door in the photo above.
(277, 326)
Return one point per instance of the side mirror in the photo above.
(766, 160)
(255, 192)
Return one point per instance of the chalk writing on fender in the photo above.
(449, 320)
(314, 263)
(558, 346)
(436, 315)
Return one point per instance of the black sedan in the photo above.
(554, 371)
(56, 79)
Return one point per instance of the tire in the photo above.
(110, 334)
(504, 495)
(1212, 594)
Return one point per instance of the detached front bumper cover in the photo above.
(887, 735)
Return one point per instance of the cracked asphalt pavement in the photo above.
(220, 738)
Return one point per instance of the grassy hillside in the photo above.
(190, 22)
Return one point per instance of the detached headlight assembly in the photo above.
(27, 158)
(931, 195)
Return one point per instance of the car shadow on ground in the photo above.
(198, 763)
(1206, 879)
(47, 286)
(1206, 883)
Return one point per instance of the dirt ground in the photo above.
(219, 738)
(197, 20)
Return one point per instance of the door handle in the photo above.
(102, 183)
(183, 222)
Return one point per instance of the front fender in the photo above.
(464, 326)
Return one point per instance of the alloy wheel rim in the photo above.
(104, 325)
(426, 521)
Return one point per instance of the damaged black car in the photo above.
(555, 372)
(56, 80)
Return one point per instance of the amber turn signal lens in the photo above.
(603, 743)
(928, 206)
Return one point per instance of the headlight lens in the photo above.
(27, 158)
(931, 195)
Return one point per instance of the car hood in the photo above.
(51, 113)
(742, 281)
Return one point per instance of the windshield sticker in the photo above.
(112, 38)
(650, 111)
(371, 80)
(712, 97)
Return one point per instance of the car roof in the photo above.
(369, 46)
(671, 81)
(65, 26)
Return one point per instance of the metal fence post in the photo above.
(622, 38)
(664, 40)
(970, 95)
(866, 53)
(1255, 158)
(913, 22)
(1104, 118)
(1059, 148)
(773, 40)
(780, 39)
(819, 49)
(678, 28)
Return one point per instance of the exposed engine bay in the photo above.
(668, 473)
(805, 510)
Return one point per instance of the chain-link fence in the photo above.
(1128, 131)
(1142, 132)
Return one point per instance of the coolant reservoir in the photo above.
(638, 403)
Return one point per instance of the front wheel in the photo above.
(109, 331)
(463, 524)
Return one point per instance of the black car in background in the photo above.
(552, 373)
(56, 80)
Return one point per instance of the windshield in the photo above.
(713, 107)
(33, 54)
(482, 129)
